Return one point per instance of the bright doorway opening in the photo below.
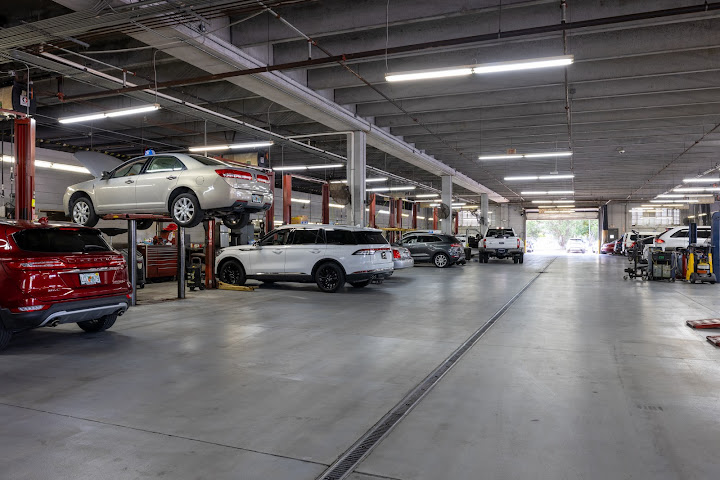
(572, 237)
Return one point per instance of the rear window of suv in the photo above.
(370, 238)
(60, 240)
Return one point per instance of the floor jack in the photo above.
(699, 265)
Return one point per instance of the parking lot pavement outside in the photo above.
(585, 376)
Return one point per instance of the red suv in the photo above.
(53, 273)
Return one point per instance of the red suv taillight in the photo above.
(229, 173)
(263, 179)
(30, 308)
(396, 254)
(30, 264)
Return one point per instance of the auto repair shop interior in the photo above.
(370, 239)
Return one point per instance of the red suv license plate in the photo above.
(89, 278)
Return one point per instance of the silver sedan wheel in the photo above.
(184, 210)
(81, 212)
(441, 260)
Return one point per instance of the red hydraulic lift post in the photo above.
(398, 212)
(325, 203)
(372, 211)
(24, 168)
(391, 207)
(435, 219)
(413, 225)
(270, 213)
(210, 254)
(287, 198)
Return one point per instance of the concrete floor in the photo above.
(584, 377)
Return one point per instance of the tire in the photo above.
(5, 336)
(362, 284)
(185, 210)
(232, 272)
(516, 260)
(99, 324)
(486, 258)
(83, 213)
(236, 220)
(522, 259)
(441, 260)
(329, 277)
(144, 224)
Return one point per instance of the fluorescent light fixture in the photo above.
(551, 192)
(670, 195)
(515, 156)
(420, 218)
(696, 189)
(691, 216)
(434, 204)
(556, 177)
(533, 193)
(375, 180)
(688, 200)
(482, 69)
(563, 201)
(384, 212)
(277, 222)
(390, 189)
(299, 200)
(405, 215)
(701, 180)
(56, 166)
(702, 215)
(240, 146)
(427, 195)
(235, 146)
(335, 205)
(209, 148)
(109, 114)
(459, 204)
(426, 74)
(307, 167)
(322, 167)
(540, 177)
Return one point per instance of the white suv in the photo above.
(328, 255)
(676, 238)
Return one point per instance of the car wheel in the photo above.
(516, 260)
(83, 212)
(441, 260)
(236, 221)
(329, 277)
(144, 224)
(185, 210)
(362, 284)
(5, 336)
(486, 258)
(99, 324)
(522, 259)
(232, 272)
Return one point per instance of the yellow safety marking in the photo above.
(227, 286)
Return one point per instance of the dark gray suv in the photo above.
(439, 249)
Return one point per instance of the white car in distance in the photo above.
(677, 238)
(328, 255)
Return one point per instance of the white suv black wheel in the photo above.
(232, 272)
(329, 277)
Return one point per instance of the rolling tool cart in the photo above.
(639, 269)
(699, 265)
(662, 265)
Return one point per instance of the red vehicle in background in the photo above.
(53, 273)
(608, 247)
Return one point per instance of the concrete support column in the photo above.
(287, 198)
(484, 212)
(391, 208)
(270, 213)
(446, 198)
(356, 142)
(504, 215)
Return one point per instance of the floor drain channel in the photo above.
(347, 462)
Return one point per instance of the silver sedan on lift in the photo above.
(187, 187)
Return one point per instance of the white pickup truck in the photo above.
(501, 243)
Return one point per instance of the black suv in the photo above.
(442, 250)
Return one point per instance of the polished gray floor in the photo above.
(584, 377)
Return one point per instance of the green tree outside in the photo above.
(562, 230)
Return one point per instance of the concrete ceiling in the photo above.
(646, 86)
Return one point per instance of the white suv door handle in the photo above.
(129, 181)
(277, 251)
(315, 251)
(171, 177)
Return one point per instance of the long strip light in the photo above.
(551, 192)
(390, 189)
(701, 180)
(681, 195)
(539, 177)
(517, 156)
(335, 205)
(689, 200)
(367, 180)
(109, 114)
(427, 195)
(299, 200)
(234, 146)
(481, 69)
(308, 167)
(56, 166)
(553, 201)
(696, 189)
